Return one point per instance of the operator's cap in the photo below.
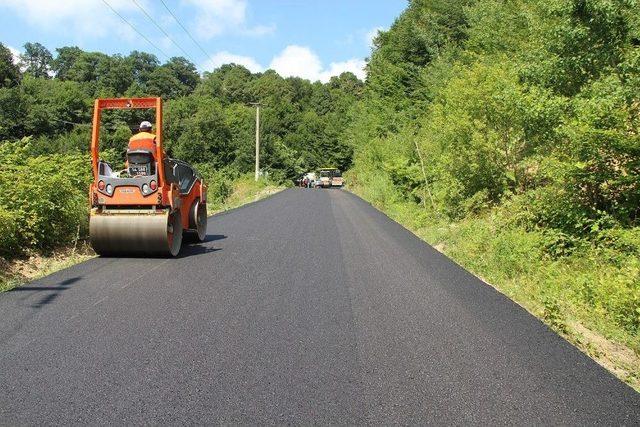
(145, 125)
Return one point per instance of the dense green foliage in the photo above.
(43, 202)
(508, 131)
(45, 114)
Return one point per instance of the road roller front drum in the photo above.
(135, 232)
(174, 233)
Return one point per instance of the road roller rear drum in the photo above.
(197, 231)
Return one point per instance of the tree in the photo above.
(83, 68)
(9, 71)
(162, 82)
(13, 110)
(185, 72)
(65, 61)
(348, 83)
(142, 65)
(582, 39)
(230, 83)
(36, 60)
(114, 75)
(197, 132)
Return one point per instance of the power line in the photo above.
(112, 126)
(70, 123)
(135, 29)
(185, 30)
(163, 31)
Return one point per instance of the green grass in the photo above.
(589, 292)
(244, 190)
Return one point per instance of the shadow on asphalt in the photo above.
(201, 248)
(214, 237)
(55, 291)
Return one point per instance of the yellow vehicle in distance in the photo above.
(330, 177)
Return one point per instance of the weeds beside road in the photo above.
(242, 191)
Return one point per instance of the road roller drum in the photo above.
(125, 232)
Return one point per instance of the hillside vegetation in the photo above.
(506, 134)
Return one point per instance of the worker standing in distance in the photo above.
(144, 139)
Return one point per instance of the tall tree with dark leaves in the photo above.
(36, 60)
(185, 71)
(9, 71)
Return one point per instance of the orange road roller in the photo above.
(144, 209)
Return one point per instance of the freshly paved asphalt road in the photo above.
(307, 307)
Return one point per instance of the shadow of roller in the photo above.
(198, 248)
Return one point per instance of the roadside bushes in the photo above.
(43, 199)
(219, 184)
(9, 240)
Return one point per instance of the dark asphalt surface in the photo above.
(307, 307)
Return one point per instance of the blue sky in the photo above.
(305, 38)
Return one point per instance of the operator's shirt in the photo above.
(143, 141)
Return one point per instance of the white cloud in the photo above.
(83, 17)
(224, 57)
(215, 17)
(300, 61)
(372, 34)
(81, 20)
(15, 53)
(259, 30)
(354, 65)
(293, 61)
(166, 43)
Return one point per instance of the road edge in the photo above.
(581, 342)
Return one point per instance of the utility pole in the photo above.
(257, 104)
